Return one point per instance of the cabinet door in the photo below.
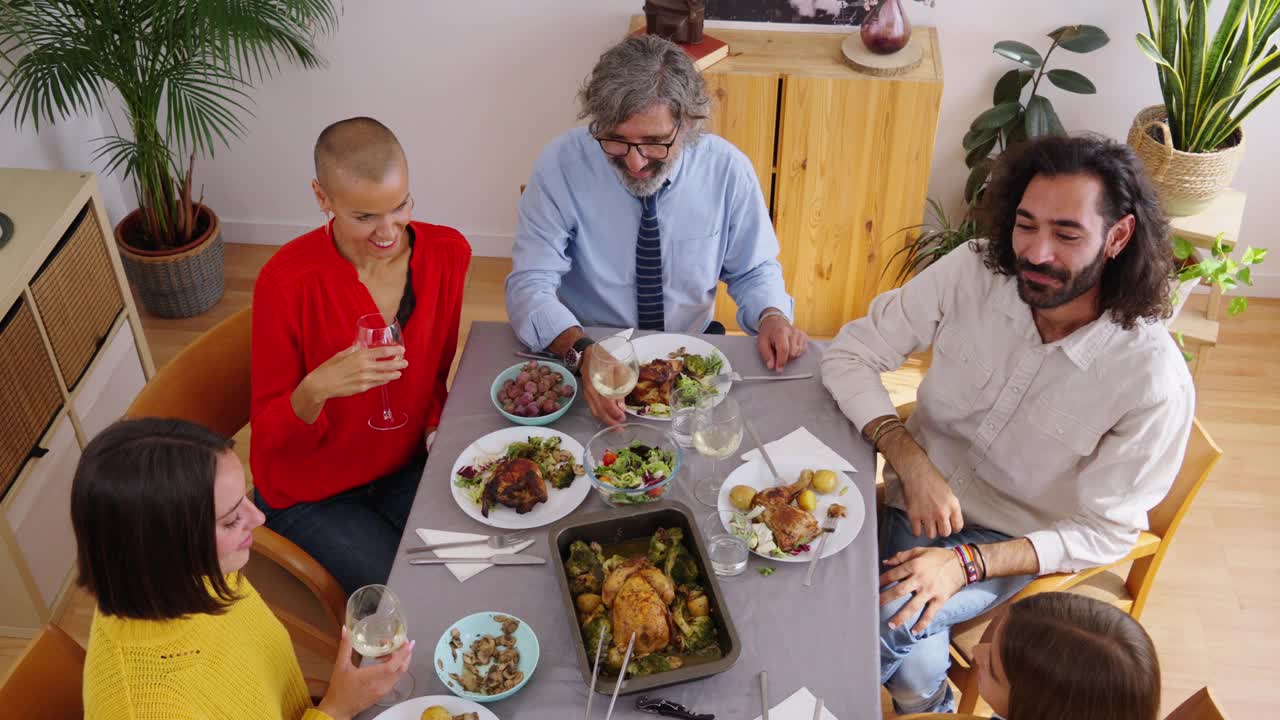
(853, 169)
(38, 511)
(111, 384)
(745, 112)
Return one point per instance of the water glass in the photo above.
(728, 554)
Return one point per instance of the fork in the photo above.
(497, 542)
(735, 376)
(828, 528)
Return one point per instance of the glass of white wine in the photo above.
(377, 627)
(717, 434)
(615, 368)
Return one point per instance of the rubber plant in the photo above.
(1009, 121)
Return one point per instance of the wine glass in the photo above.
(374, 331)
(717, 434)
(615, 368)
(377, 627)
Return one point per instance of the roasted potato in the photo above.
(435, 712)
(588, 602)
(698, 607)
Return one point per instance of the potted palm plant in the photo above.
(181, 71)
(1193, 143)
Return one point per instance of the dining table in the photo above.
(822, 637)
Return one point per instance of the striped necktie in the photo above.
(649, 267)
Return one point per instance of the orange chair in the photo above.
(45, 684)
(1200, 706)
(1129, 591)
(208, 383)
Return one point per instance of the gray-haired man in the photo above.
(631, 221)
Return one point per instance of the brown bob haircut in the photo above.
(143, 512)
(1070, 657)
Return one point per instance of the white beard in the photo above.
(646, 186)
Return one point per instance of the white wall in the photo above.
(66, 146)
(473, 96)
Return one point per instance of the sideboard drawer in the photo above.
(39, 511)
(29, 394)
(78, 296)
(111, 383)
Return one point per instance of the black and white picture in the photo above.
(819, 12)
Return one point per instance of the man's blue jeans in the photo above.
(914, 667)
(354, 534)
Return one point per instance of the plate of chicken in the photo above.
(669, 362)
(520, 477)
(776, 526)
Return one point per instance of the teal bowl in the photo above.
(471, 628)
(511, 373)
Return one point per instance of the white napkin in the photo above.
(801, 445)
(625, 334)
(465, 571)
(799, 706)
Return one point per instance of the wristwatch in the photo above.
(573, 356)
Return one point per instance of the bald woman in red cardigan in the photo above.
(323, 476)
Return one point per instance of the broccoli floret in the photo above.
(652, 664)
(562, 477)
(592, 631)
(613, 563)
(680, 566)
(662, 543)
(696, 633)
(585, 568)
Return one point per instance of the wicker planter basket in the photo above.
(178, 283)
(1187, 182)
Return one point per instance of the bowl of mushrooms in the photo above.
(487, 656)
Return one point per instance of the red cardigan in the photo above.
(305, 305)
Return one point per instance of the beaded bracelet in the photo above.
(970, 563)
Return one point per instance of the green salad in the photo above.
(635, 467)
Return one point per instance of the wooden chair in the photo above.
(208, 383)
(1130, 591)
(45, 683)
(1200, 706)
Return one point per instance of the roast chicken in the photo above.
(656, 379)
(791, 526)
(516, 483)
(638, 596)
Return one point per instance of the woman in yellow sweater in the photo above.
(163, 527)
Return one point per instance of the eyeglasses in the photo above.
(648, 150)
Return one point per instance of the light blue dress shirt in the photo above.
(574, 261)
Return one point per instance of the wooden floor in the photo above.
(1214, 613)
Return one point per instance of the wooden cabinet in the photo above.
(843, 159)
(72, 356)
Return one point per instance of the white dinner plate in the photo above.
(755, 474)
(660, 346)
(413, 709)
(559, 502)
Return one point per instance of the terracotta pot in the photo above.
(176, 283)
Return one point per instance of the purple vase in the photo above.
(886, 29)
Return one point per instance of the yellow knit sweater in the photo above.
(236, 665)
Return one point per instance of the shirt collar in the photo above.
(1081, 347)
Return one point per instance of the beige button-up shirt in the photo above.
(1068, 443)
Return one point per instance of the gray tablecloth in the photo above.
(822, 637)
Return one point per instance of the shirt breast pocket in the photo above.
(963, 374)
(1064, 431)
(691, 262)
